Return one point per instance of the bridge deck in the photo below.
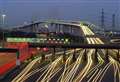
(89, 46)
(8, 50)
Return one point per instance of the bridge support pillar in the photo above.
(59, 28)
(74, 55)
(53, 54)
(63, 28)
(43, 56)
(118, 55)
(56, 28)
(64, 55)
(106, 55)
(95, 58)
(71, 30)
(37, 26)
(85, 55)
(33, 27)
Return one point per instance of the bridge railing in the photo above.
(106, 47)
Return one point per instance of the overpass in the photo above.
(87, 46)
(57, 26)
(10, 50)
(83, 46)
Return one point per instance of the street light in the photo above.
(3, 22)
(3, 19)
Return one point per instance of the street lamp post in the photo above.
(3, 24)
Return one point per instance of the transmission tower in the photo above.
(113, 21)
(102, 19)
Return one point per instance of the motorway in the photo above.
(80, 70)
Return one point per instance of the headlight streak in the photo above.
(66, 66)
(97, 41)
(42, 75)
(89, 64)
(54, 73)
(93, 75)
(119, 70)
(67, 71)
(72, 72)
(83, 73)
(51, 69)
(25, 71)
(98, 74)
(116, 69)
(115, 72)
(93, 72)
(33, 72)
(104, 71)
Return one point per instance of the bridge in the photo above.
(48, 26)
(58, 27)
(83, 46)
(61, 27)
(92, 55)
(8, 50)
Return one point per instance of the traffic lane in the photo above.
(38, 74)
(36, 60)
(35, 76)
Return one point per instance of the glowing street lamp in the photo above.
(3, 19)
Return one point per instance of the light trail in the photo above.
(74, 69)
(33, 72)
(116, 69)
(92, 76)
(93, 72)
(97, 41)
(25, 71)
(51, 69)
(65, 74)
(54, 73)
(87, 67)
(115, 72)
(104, 70)
(66, 66)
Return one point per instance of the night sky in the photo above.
(19, 11)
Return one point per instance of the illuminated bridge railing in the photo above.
(39, 40)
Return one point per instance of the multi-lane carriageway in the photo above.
(74, 71)
(72, 46)
(77, 71)
(70, 71)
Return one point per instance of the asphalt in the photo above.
(12, 73)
